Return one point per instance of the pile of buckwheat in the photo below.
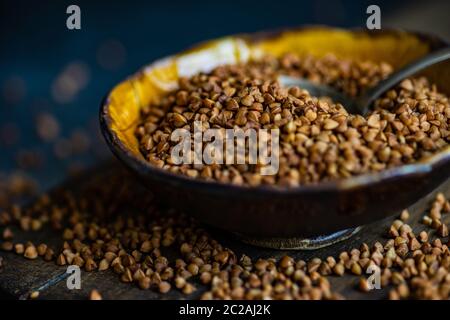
(319, 139)
(116, 226)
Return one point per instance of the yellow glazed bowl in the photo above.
(304, 211)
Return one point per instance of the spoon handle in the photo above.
(409, 70)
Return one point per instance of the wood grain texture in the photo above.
(19, 276)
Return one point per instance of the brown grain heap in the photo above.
(351, 77)
(319, 139)
(115, 227)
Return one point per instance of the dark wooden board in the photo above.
(19, 276)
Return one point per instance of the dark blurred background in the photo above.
(53, 79)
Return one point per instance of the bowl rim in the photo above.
(141, 166)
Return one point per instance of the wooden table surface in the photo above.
(19, 276)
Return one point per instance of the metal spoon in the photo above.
(361, 104)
